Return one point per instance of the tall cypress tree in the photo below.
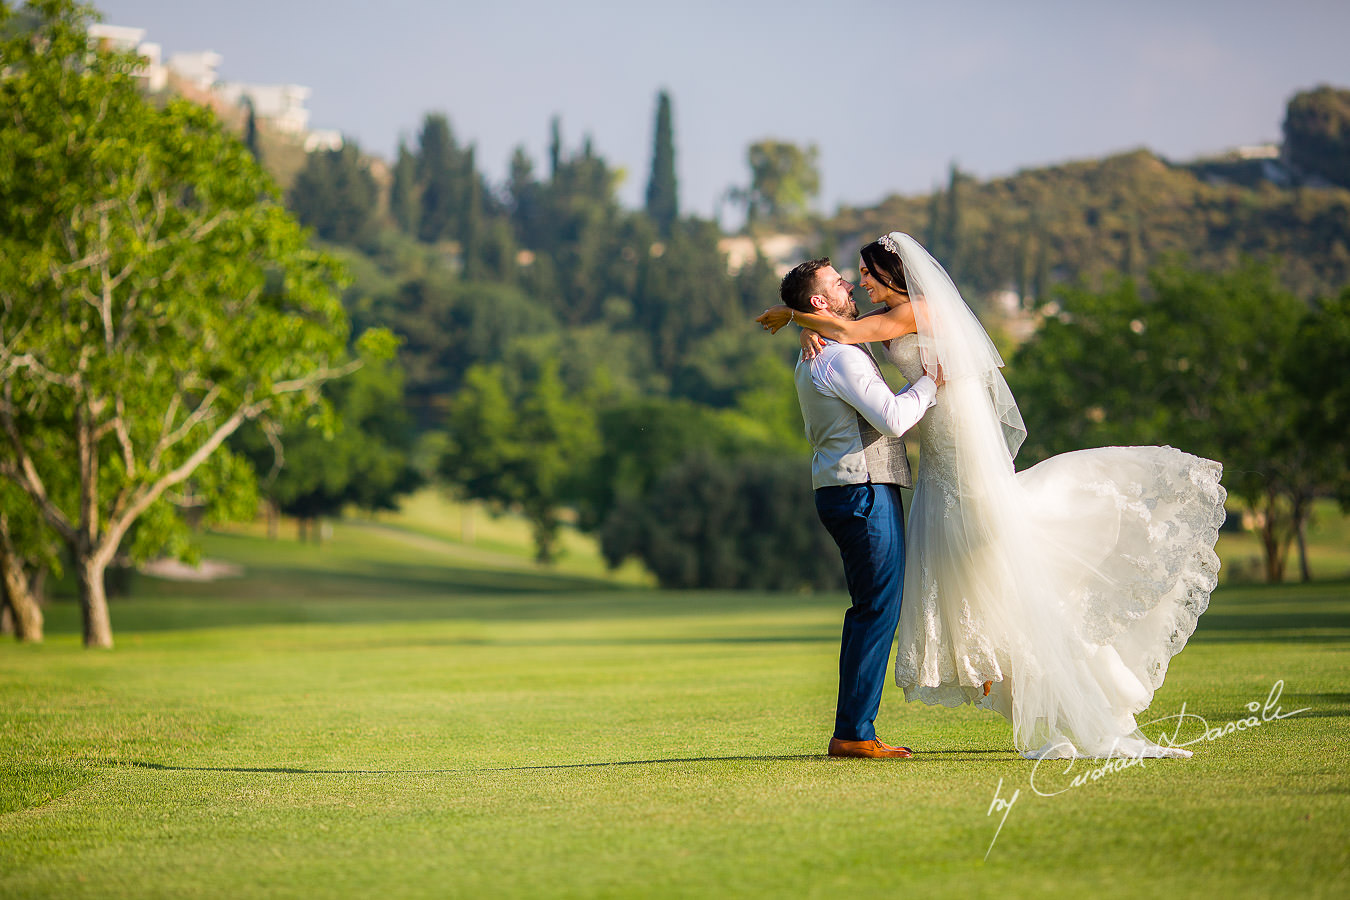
(525, 197)
(438, 173)
(662, 195)
(951, 225)
(471, 227)
(933, 237)
(403, 195)
(1041, 280)
(1022, 266)
(336, 195)
(554, 147)
(251, 140)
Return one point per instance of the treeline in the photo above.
(535, 345)
(545, 298)
(1229, 365)
(523, 342)
(546, 332)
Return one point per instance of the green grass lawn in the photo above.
(392, 714)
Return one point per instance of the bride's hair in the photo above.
(885, 266)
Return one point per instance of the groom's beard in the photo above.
(846, 310)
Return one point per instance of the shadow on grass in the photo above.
(353, 589)
(919, 757)
(247, 605)
(1312, 613)
(1299, 628)
(387, 578)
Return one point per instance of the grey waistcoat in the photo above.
(847, 449)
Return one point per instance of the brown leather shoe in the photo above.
(868, 749)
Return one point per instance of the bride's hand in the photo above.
(774, 318)
(811, 342)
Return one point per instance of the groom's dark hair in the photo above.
(799, 284)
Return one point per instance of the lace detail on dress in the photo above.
(1163, 568)
(1109, 552)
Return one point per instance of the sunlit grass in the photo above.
(431, 512)
(388, 714)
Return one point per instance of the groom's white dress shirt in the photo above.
(837, 386)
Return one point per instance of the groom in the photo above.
(858, 466)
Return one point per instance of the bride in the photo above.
(1055, 596)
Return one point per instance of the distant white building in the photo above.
(198, 68)
(283, 105)
(783, 251)
(116, 37)
(196, 76)
(122, 38)
(323, 140)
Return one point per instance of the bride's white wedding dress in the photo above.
(1070, 585)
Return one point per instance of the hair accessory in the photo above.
(889, 243)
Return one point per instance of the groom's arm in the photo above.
(854, 379)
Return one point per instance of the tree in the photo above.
(1317, 133)
(741, 523)
(363, 458)
(440, 168)
(1318, 357)
(336, 195)
(472, 219)
(554, 147)
(662, 195)
(524, 198)
(519, 442)
(683, 294)
(952, 231)
(1199, 364)
(404, 199)
(27, 552)
(445, 327)
(933, 228)
(154, 296)
(580, 241)
(784, 179)
(251, 139)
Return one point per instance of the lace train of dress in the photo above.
(1069, 585)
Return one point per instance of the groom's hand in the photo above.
(774, 318)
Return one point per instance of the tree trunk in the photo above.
(6, 616)
(21, 603)
(544, 523)
(26, 616)
(89, 569)
(1304, 570)
(1275, 552)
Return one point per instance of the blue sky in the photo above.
(890, 92)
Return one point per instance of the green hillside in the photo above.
(1123, 213)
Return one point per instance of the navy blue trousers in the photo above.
(868, 523)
